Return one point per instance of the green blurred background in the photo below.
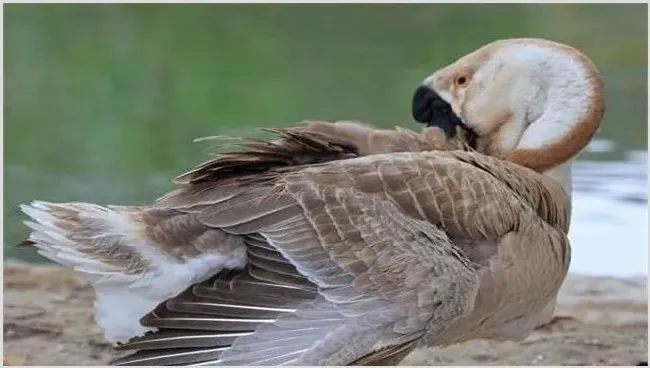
(102, 101)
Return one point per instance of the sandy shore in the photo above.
(48, 321)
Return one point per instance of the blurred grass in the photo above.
(102, 100)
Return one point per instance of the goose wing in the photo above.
(352, 258)
(361, 276)
(136, 257)
(348, 258)
(365, 240)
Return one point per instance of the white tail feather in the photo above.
(124, 293)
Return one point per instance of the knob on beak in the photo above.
(430, 109)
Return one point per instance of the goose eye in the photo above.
(461, 81)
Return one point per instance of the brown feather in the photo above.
(368, 229)
(218, 311)
(390, 355)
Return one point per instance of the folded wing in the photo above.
(362, 258)
(338, 257)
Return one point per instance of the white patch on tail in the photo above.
(122, 299)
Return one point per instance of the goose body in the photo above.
(339, 244)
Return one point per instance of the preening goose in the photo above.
(325, 247)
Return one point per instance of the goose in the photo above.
(324, 248)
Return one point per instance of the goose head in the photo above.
(533, 102)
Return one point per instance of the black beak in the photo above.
(430, 109)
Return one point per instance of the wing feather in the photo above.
(349, 257)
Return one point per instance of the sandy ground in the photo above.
(48, 321)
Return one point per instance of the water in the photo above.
(610, 216)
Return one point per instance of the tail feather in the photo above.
(130, 273)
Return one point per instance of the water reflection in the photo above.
(610, 216)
